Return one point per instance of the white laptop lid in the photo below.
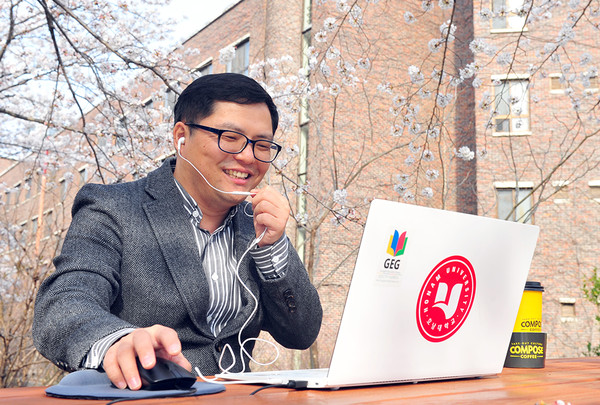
(434, 295)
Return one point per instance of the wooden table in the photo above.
(571, 380)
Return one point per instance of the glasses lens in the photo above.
(265, 151)
(232, 142)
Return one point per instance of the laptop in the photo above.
(434, 295)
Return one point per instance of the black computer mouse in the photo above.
(165, 375)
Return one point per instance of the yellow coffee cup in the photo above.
(527, 347)
(529, 318)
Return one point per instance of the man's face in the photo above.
(228, 172)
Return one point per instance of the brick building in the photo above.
(370, 122)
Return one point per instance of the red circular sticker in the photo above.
(446, 298)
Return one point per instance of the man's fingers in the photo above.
(120, 366)
(167, 339)
(113, 370)
(145, 343)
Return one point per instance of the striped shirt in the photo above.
(216, 254)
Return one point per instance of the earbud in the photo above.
(180, 142)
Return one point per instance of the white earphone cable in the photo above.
(243, 350)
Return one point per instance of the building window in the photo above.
(83, 175)
(203, 69)
(17, 193)
(48, 223)
(556, 83)
(34, 225)
(28, 188)
(590, 84)
(561, 192)
(567, 309)
(595, 190)
(21, 236)
(514, 203)
(512, 106)
(508, 15)
(148, 103)
(241, 60)
(62, 183)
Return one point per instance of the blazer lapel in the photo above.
(171, 228)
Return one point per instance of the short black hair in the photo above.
(197, 100)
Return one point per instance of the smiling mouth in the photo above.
(237, 175)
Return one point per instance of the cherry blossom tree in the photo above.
(434, 114)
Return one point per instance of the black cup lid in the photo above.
(533, 286)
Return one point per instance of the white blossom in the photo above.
(226, 55)
(355, 18)
(333, 53)
(433, 133)
(415, 75)
(325, 69)
(408, 196)
(415, 128)
(334, 89)
(585, 59)
(330, 24)
(428, 155)
(435, 45)
(342, 6)
(432, 174)
(364, 63)
(397, 130)
(339, 196)
(321, 36)
(400, 188)
(446, 4)
(427, 192)
(448, 30)
(424, 93)
(486, 14)
(302, 219)
(385, 87)
(443, 100)
(402, 178)
(504, 58)
(465, 153)
(413, 148)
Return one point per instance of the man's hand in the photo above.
(145, 343)
(271, 211)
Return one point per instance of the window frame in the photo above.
(243, 41)
(508, 28)
(511, 116)
(206, 64)
(519, 214)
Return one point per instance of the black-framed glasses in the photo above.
(235, 142)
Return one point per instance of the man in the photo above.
(148, 268)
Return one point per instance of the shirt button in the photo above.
(215, 276)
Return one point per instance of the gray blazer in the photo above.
(130, 260)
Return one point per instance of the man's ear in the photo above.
(179, 134)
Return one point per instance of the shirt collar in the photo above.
(195, 212)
